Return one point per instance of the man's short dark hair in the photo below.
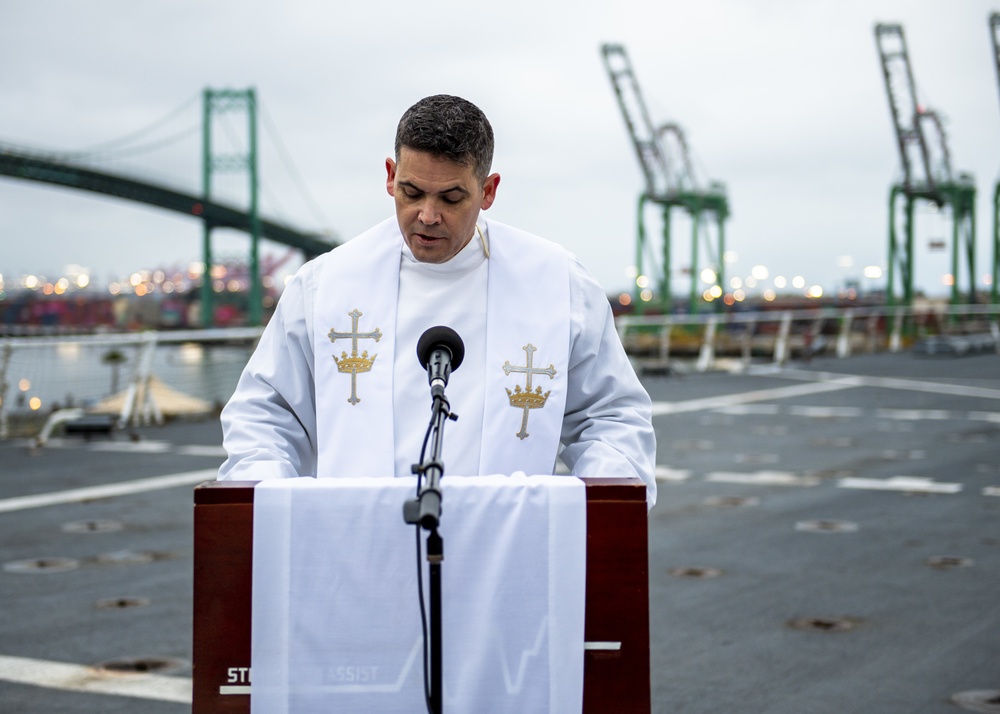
(451, 127)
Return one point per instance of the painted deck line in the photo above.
(916, 414)
(763, 478)
(913, 385)
(75, 495)
(80, 678)
(900, 483)
(758, 395)
(827, 412)
(665, 473)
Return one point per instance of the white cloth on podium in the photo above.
(336, 620)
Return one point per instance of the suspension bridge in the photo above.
(76, 171)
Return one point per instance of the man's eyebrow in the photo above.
(410, 184)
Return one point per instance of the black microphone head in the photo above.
(438, 337)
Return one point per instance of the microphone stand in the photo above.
(425, 511)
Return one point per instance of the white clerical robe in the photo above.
(270, 424)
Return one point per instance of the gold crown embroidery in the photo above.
(527, 398)
(355, 364)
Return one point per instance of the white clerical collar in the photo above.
(471, 256)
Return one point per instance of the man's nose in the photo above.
(429, 214)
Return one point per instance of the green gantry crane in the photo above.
(995, 288)
(670, 182)
(927, 174)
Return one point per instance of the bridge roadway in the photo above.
(37, 167)
(827, 540)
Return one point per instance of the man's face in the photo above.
(437, 202)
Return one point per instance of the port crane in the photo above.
(994, 287)
(670, 182)
(927, 173)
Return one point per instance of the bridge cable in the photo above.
(292, 169)
(107, 145)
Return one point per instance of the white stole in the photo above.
(527, 304)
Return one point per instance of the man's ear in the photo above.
(490, 190)
(390, 177)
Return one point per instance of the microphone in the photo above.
(440, 351)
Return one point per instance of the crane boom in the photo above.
(907, 112)
(653, 159)
(669, 182)
(995, 285)
(995, 37)
(927, 174)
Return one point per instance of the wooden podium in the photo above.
(616, 625)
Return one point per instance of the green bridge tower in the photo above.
(220, 102)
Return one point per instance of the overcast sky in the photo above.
(782, 100)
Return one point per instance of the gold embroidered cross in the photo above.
(526, 398)
(354, 364)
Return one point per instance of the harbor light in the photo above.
(873, 272)
(759, 272)
(798, 282)
(708, 276)
(780, 282)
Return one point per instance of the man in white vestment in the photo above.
(335, 388)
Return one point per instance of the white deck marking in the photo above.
(749, 409)
(663, 473)
(827, 412)
(991, 491)
(75, 495)
(763, 478)
(757, 395)
(911, 484)
(913, 414)
(199, 450)
(913, 385)
(132, 447)
(985, 416)
(80, 678)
